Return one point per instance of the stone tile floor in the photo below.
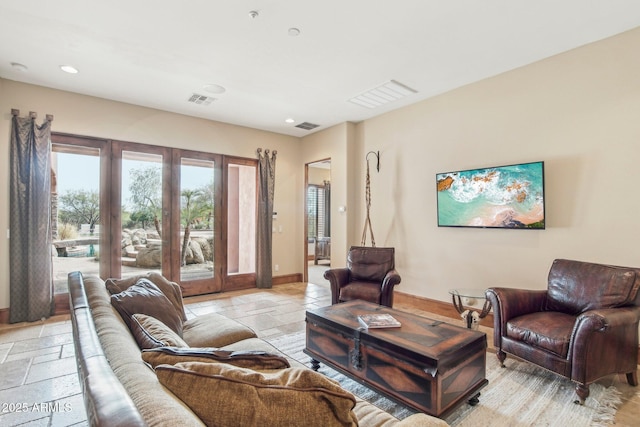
(38, 379)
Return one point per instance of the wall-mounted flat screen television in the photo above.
(497, 197)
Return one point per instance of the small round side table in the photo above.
(471, 294)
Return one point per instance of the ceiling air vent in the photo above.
(307, 126)
(383, 94)
(201, 99)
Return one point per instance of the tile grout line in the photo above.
(8, 351)
(26, 373)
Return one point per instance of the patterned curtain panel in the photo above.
(31, 285)
(266, 184)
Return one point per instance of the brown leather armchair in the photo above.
(370, 275)
(583, 327)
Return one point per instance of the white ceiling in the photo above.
(158, 53)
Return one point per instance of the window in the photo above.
(318, 211)
(241, 219)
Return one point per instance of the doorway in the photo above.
(317, 220)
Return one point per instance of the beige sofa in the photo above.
(120, 389)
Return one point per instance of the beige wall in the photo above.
(578, 112)
(89, 116)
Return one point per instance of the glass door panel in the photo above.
(141, 213)
(241, 219)
(75, 212)
(197, 196)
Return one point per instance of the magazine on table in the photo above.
(378, 321)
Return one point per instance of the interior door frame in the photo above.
(305, 269)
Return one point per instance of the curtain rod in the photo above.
(266, 151)
(32, 114)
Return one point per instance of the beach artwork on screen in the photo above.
(497, 197)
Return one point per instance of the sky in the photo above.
(78, 172)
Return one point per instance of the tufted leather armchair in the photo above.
(583, 327)
(370, 275)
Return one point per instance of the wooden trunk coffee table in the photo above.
(426, 364)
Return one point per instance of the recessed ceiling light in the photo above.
(293, 32)
(20, 67)
(213, 88)
(290, 120)
(69, 69)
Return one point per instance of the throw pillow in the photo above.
(245, 359)
(150, 333)
(146, 298)
(170, 289)
(224, 395)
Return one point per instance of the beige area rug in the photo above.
(519, 395)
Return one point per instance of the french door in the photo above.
(189, 215)
(196, 232)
